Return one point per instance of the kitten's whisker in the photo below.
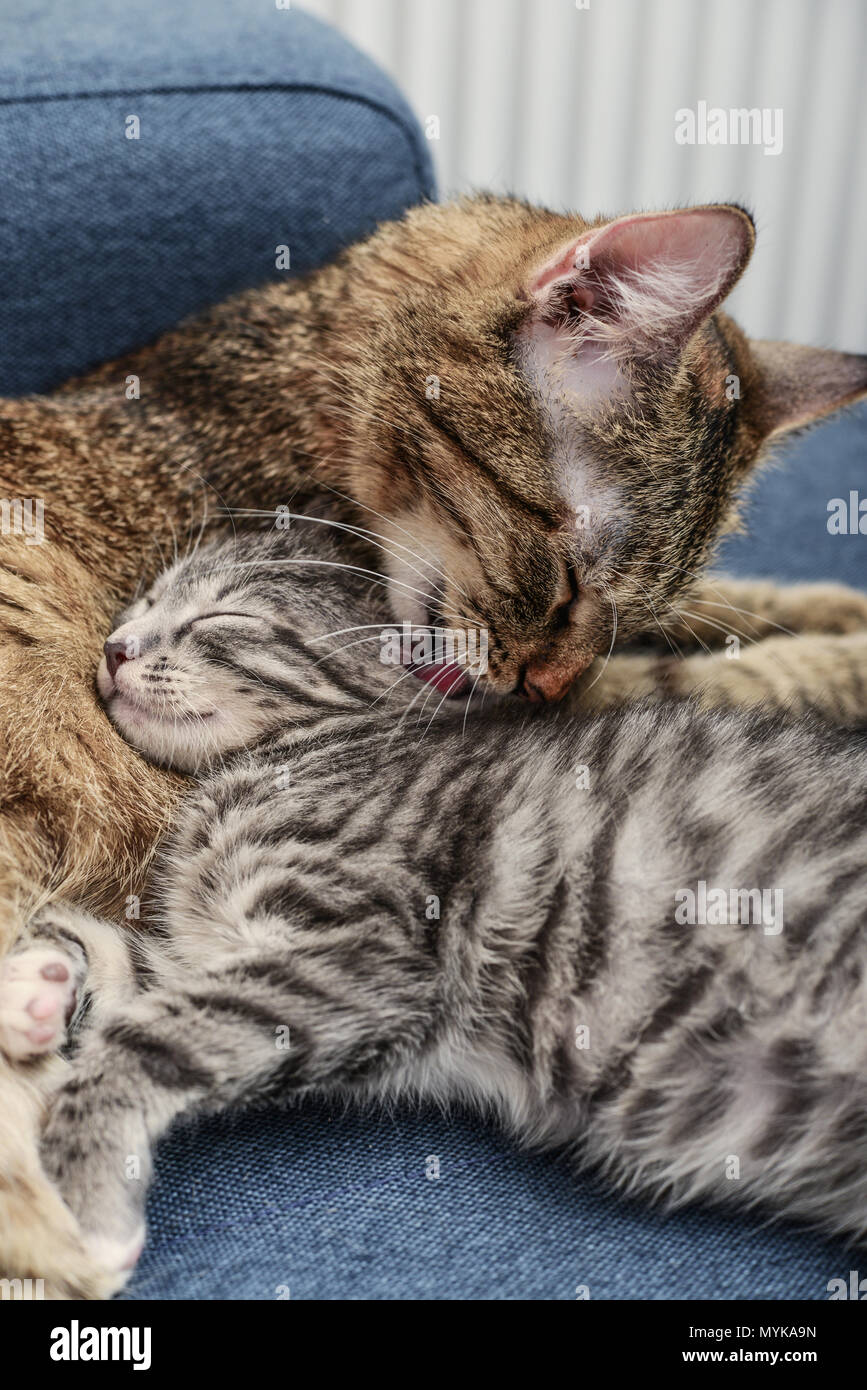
(372, 637)
(469, 701)
(341, 631)
(384, 694)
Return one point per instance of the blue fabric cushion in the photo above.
(259, 128)
(787, 514)
(335, 1204)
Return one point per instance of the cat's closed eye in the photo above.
(567, 596)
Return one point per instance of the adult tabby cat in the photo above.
(552, 982)
(540, 407)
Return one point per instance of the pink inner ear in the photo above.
(692, 257)
(565, 267)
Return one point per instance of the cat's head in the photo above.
(545, 421)
(245, 638)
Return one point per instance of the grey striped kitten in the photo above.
(528, 912)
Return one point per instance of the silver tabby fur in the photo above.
(297, 887)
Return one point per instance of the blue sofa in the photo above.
(260, 127)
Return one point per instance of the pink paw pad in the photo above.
(37, 1000)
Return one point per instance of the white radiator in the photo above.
(576, 107)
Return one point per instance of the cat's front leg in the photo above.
(66, 958)
(40, 985)
(95, 1148)
(719, 610)
(825, 676)
(805, 674)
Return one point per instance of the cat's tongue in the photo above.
(445, 676)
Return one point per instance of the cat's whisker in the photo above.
(389, 522)
(674, 646)
(647, 602)
(761, 618)
(357, 627)
(423, 690)
(384, 694)
(355, 531)
(188, 468)
(372, 637)
(728, 629)
(613, 604)
(372, 575)
(748, 613)
(469, 701)
(457, 680)
(703, 617)
(193, 546)
(690, 629)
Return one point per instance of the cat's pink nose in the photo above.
(116, 653)
(543, 680)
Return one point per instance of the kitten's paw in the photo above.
(95, 1148)
(117, 1256)
(38, 993)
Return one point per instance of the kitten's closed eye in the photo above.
(210, 617)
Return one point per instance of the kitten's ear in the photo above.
(642, 284)
(796, 385)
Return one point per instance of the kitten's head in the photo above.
(548, 419)
(242, 639)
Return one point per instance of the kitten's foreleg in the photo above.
(310, 1016)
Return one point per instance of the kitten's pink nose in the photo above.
(115, 654)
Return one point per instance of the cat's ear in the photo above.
(642, 284)
(796, 385)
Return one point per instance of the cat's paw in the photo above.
(38, 993)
